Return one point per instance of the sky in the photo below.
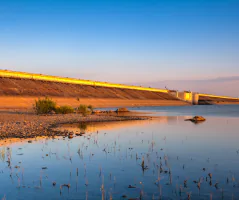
(128, 41)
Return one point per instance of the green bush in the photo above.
(91, 108)
(44, 106)
(84, 110)
(64, 110)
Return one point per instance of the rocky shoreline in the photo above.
(28, 125)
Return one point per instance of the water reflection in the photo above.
(164, 158)
(98, 126)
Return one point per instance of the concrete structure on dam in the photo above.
(187, 96)
(195, 98)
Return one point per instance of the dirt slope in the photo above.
(21, 87)
(21, 93)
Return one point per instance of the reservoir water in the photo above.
(163, 158)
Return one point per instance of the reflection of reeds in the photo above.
(40, 179)
(114, 181)
(180, 190)
(137, 156)
(100, 172)
(103, 189)
(141, 194)
(189, 196)
(82, 127)
(142, 163)
(158, 180)
(85, 169)
(111, 198)
(23, 175)
(64, 185)
(2, 153)
(19, 182)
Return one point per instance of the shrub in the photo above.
(83, 109)
(64, 110)
(44, 106)
(91, 108)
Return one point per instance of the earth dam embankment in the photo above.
(20, 93)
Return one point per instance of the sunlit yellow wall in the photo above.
(195, 98)
(188, 96)
(6, 73)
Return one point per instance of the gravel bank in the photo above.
(13, 125)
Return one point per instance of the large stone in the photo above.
(197, 119)
(122, 110)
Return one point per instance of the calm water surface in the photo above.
(205, 110)
(178, 156)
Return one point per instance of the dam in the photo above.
(26, 87)
(203, 99)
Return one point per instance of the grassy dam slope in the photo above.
(19, 90)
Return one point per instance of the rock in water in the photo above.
(122, 110)
(197, 119)
(70, 136)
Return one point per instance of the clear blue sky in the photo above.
(121, 41)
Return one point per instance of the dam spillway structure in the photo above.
(196, 98)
